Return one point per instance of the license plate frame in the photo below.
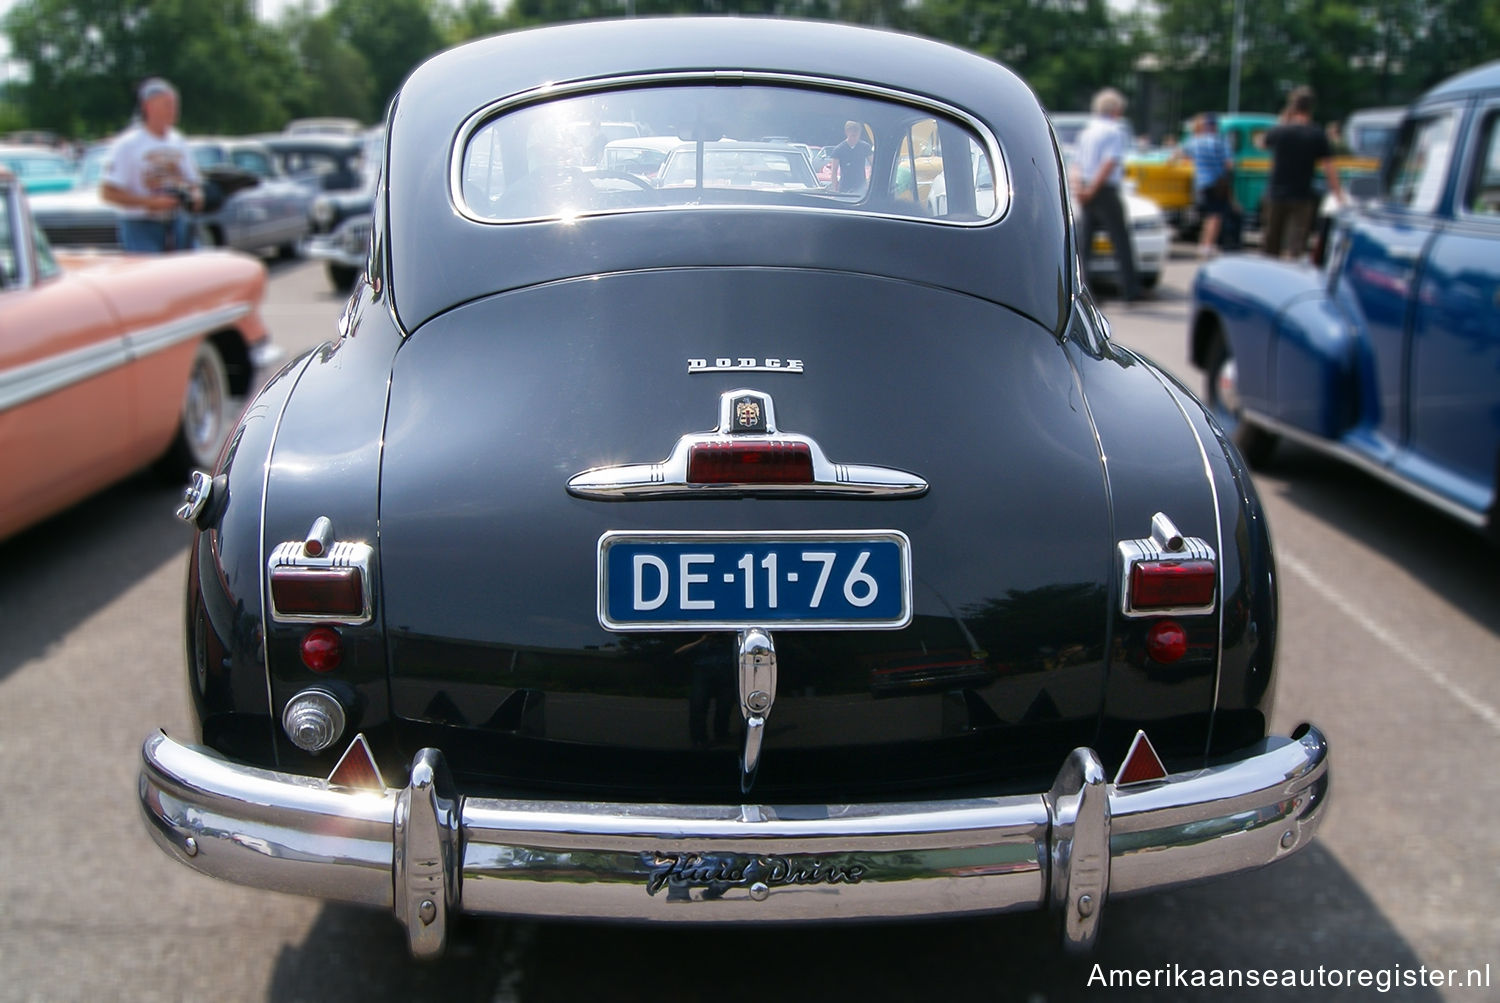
(887, 564)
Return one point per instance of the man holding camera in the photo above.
(151, 177)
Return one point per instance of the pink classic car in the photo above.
(111, 362)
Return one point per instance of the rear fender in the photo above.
(1256, 305)
(325, 462)
(1316, 364)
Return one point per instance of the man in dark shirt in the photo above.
(1297, 147)
(853, 157)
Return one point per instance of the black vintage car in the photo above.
(736, 550)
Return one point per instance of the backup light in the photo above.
(750, 463)
(313, 720)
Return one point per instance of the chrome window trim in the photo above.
(27, 382)
(20, 240)
(1472, 153)
(550, 92)
(610, 537)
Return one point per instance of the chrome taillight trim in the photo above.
(293, 554)
(1165, 543)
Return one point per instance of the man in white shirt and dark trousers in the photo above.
(1098, 174)
(151, 177)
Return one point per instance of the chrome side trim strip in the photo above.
(265, 580)
(24, 383)
(1213, 488)
(1355, 458)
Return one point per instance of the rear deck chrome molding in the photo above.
(425, 851)
(669, 478)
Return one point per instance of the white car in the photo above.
(1149, 237)
(1149, 234)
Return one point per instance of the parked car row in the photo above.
(263, 191)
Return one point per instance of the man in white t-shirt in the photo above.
(151, 176)
(1098, 177)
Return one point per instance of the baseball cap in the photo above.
(154, 86)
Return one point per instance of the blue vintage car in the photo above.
(1387, 355)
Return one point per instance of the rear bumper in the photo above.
(426, 851)
(348, 244)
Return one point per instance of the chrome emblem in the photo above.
(747, 415)
(744, 365)
(716, 873)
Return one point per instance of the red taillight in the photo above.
(750, 463)
(1166, 641)
(1172, 584)
(327, 592)
(322, 649)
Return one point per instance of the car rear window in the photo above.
(775, 145)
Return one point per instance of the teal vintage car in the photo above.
(38, 168)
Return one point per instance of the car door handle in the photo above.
(1407, 254)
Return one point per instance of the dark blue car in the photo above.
(1387, 355)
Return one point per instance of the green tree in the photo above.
(469, 19)
(80, 62)
(1065, 49)
(335, 78)
(393, 36)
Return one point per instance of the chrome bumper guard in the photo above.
(426, 851)
(330, 247)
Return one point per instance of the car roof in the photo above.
(314, 141)
(458, 86)
(661, 144)
(1481, 78)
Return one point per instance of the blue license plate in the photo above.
(815, 580)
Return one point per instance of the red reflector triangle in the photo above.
(357, 767)
(1141, 764)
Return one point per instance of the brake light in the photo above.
(324, 592)
(322, 649)
(750, 463)
(1172, 584)
(1166, 642)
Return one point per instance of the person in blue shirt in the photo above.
(1098, 174)
(1213, 169)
